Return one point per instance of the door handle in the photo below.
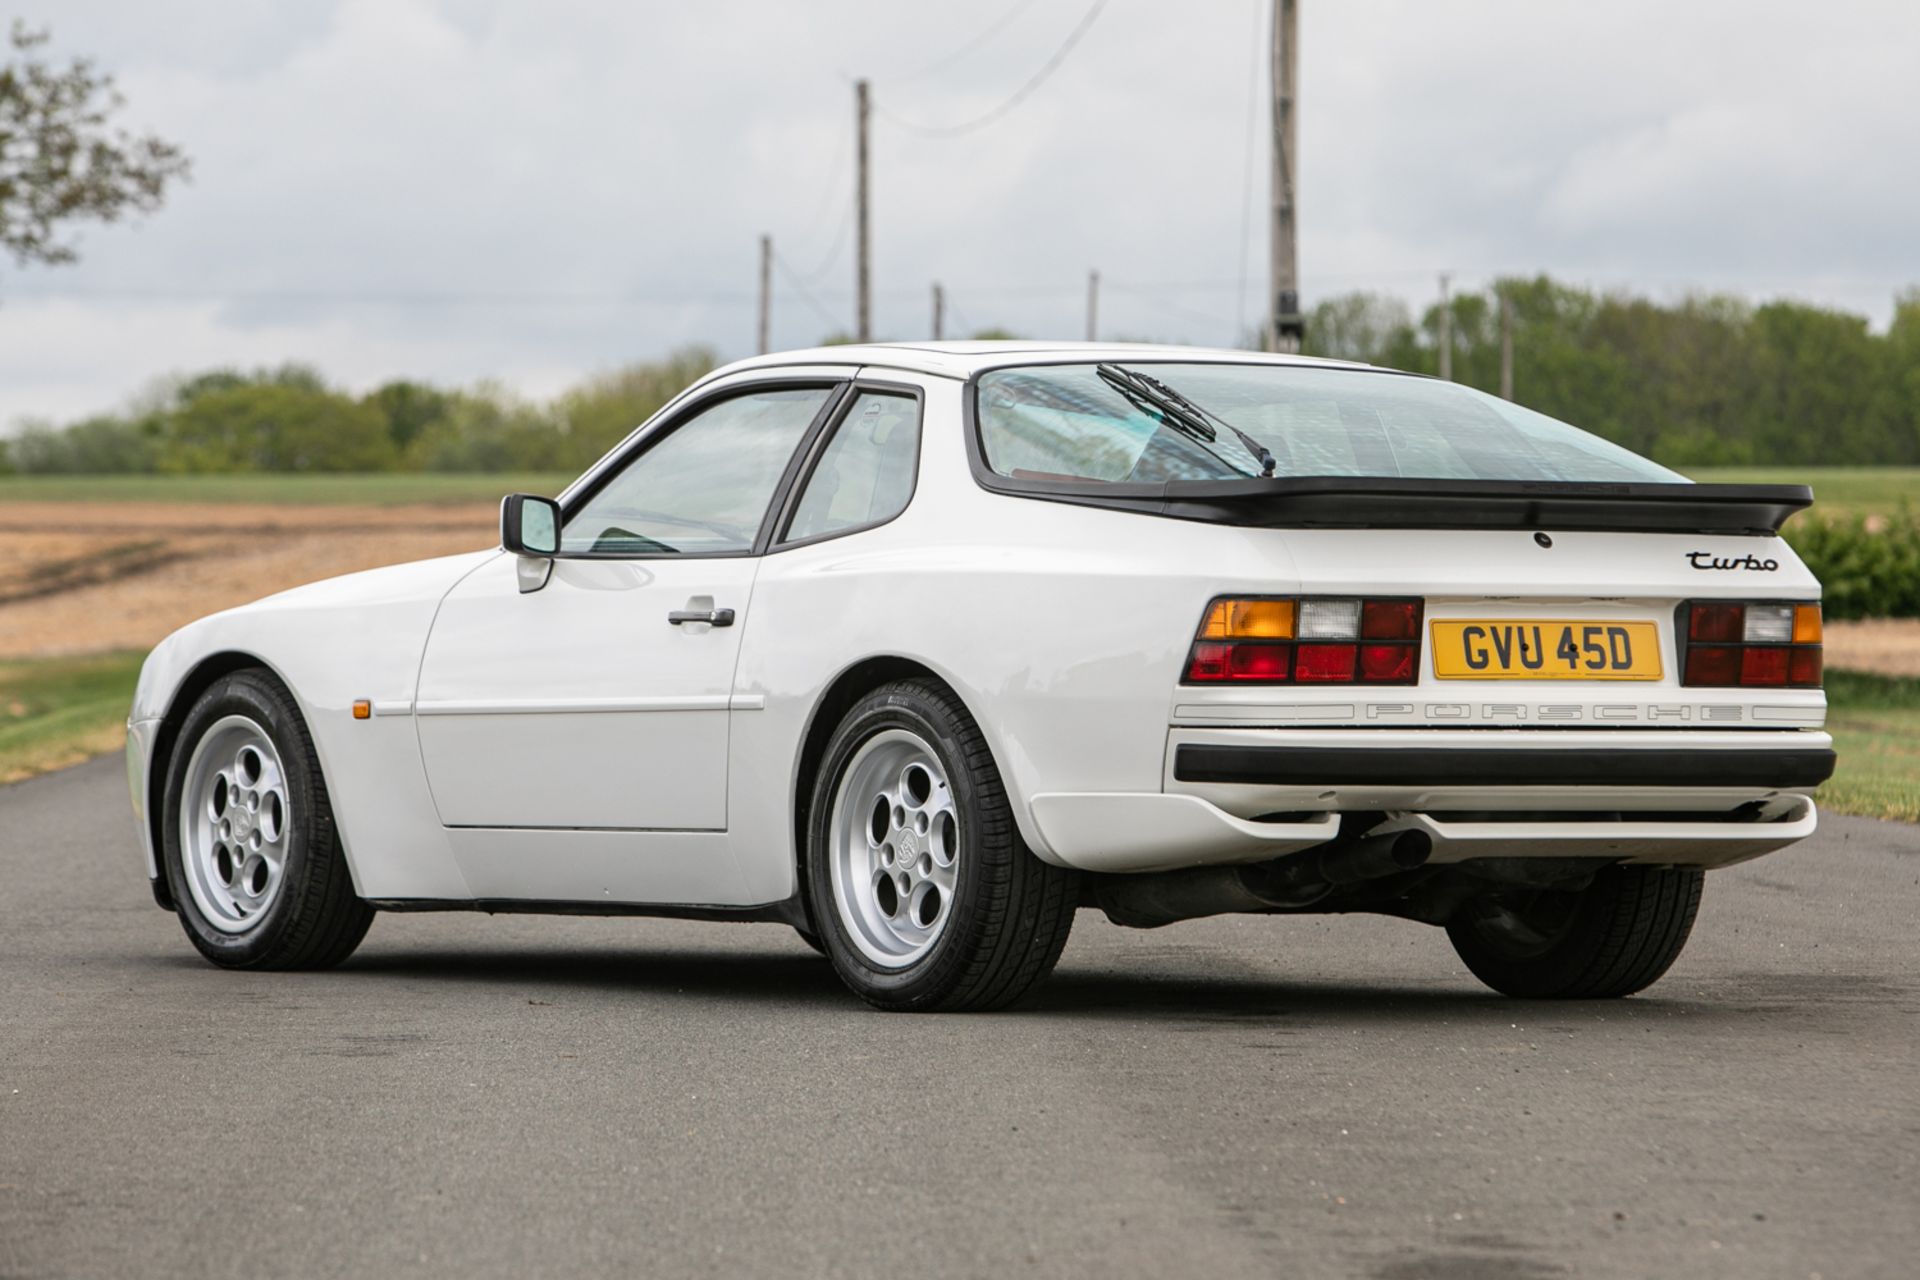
(717, 617)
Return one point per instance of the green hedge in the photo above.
(1868, 566)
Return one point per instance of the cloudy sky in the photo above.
(530, 190)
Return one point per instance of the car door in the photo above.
(599, 701)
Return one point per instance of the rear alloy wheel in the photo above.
(247, 837)
(1613, 938)
(925, 895)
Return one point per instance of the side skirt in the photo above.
(788, 911)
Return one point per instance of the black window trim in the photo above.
(1360, 502)
(816, 448)
(838, 392)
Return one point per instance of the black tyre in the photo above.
(1611, 939)
(812, 940)
(247, 837)
(924, 894)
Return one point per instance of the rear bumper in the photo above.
(1667, 797)
(1132, 832)
(1768, 768)
(1252, 772)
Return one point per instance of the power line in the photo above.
(1019, 95)
(943, 63)
(833, 250)
(829, 195)
(806, 294)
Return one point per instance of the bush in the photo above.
(600, 413)
(1869, 567)
(484, 431)
(274, 426)
(97, 446)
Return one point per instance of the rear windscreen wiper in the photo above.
(1179, 412)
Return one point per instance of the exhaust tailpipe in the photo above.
(1375, 857)
(1290, 883)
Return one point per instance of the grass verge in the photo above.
(59, 711)
(381, 489)
(1837, 491)
(1875, 722)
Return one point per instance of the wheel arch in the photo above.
(847, 688)
(197, 680)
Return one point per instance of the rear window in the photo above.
(1064, 422)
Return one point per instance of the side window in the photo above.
(705, 487)
(865, 474)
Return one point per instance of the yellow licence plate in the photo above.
(1524, 649)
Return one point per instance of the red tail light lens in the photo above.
(1753, 644)
(1717, 623)
(1261, 662)
(1326, 663)
(1387, 663)
(1763, 666)
(1264, 640)
(1803, 667)
(1390, 620)
(1713, 665)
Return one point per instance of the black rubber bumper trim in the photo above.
(1500, 766)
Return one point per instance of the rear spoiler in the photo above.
(1340, 502)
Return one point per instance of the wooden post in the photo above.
(1285, 328)
(766, 294)
(862, 277)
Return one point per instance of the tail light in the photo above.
(1263, 640)
(1755, 644)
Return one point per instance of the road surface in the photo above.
(474, 1096)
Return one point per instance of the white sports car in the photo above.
(920, 648)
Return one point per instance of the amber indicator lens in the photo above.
(1249, 620)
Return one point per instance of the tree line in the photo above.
(1706, 381)
(290, 419)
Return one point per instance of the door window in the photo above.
(865, 475)
(703, 489)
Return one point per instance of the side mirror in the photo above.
(530, 526)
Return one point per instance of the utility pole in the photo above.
(1285, 329)
(862, 279)
(1506, 344)
(1093, 306)
(1446, 328)
(766, 292)
(939, 311)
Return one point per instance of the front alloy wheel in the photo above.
(248, 844)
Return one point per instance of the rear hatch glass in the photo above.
(1066, 423)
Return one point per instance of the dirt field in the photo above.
(80, 577)
(1883, 646)
(87, 577)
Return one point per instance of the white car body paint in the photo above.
(567, 745)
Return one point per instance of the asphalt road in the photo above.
(472, 1096)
